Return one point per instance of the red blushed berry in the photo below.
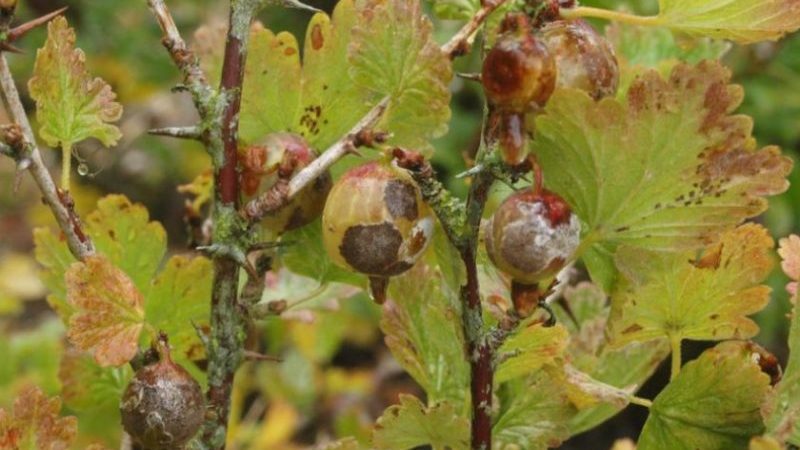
(519, 72)
(163, 406)
(532, 236)
(584, 59)
(278, 157)
(376, 223)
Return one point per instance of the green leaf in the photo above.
(675, 296)
(422, 329)
(783, 412)
(305, 241)
(180, 297)
(652, 47)
(71, 105)
(318, 99)
(713, 404)
(532, 347)
(666, 170)
(534, 414)
(410, 424)
(87, 386)
(109, 313)
(54, 256)
(456, 9)
(121, 231)
(393, 54)
(742, 21)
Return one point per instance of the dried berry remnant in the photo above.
(519, 72)
(532, 235)
(163, 406)
(277, 158)
(584, 59)
(375, 221)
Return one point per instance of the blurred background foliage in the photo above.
(336, 376)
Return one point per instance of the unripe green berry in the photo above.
(585, 60)
(532, 236)
(375, 221)
(280, 156)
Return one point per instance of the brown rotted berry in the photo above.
(376, 223)
(532, 236)
(585, 60)
(277, 158)
(163, 406)
(519, 71)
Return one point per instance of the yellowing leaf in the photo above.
(109, 312)
(790, 260)
(713, 404)
(743, 21)
(35, 423)
(410, 424)
(673, 296)
(532, 347)
(393, 53)
(668, 169)
(71, 105)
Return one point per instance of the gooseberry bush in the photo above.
(607, 220)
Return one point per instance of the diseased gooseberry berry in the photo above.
(163, 406)
(376, 223)
(532, 235)
(585, 60)
(518, 71)
(279, 156)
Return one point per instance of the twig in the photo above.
(193, 132)
(60, 202)
(281, 193)
(461, 42)
(617, 16)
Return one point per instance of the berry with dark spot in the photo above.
(584, 59)
(376, 223)
(519, 72)
(532, 236)
(276, 159)
(163, 406)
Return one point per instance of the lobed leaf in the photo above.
(35, 423)
(532, 347)
(668, 169)
(421, 327)
(393, 54)
(676, 296)
(71, 106)
(307, 240)
(742, 21)
(411, 424)
(87, 386)
(782, 413)
(109, 313)
(712, 404)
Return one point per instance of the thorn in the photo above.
(294, 4)
(6, 47)
(551, 319)
(469, 76)
(255, 356)
(471, 172)
(21, 30)
(200, 333)
(234, 253)
(193, 132)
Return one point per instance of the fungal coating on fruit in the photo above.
(375, 221)
(280, 156)
(532, 235)
(163, 406)
(584, 59)
(518, 71)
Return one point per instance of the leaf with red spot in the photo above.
(679, 297)
(666, 169)
(411, 424)
(35, 423)
(532, 347)
(109, 313)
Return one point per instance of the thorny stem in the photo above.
(617, 16)
(461, 42)
(60, 202)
